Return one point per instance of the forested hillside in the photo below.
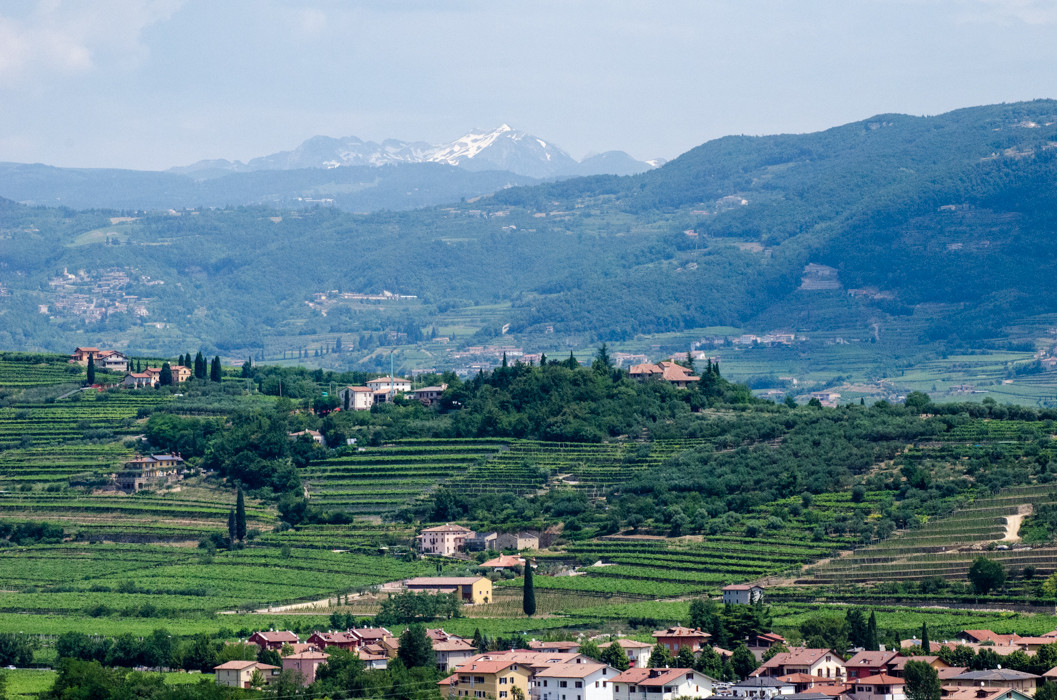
(940, 226)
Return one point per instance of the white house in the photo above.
(742, 594)
(638, 653)
(879, 687)
(662, 684)
(452, 653)
(576, 682)
(356, 398)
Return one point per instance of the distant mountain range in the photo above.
(354, 175)
(503, 148)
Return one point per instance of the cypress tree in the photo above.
(165, 378)
(214, 370)
(91, 370)
(240, 515)
(504, 360)
(872, 643)
(543, 360)
(200, 366)
(925, 647)
(232, 531)
(528, 600)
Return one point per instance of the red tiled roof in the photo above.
(504, 561)
(871, 659)
(276, 637)
(446, 528)
(678, 631)
(879, 679)
(627, 644)
(239, 665)
(570, 670)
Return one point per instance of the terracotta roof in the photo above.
(335, 637)
(86, 349)
(832, 690)
(951, 672)
(951, 692)
(453, 645)
(678, 631)
(360, 389)
(482, 666)
(645, 368)
(641, 676)
(371, 633)
(998, 674)
(283, 636)
(570, 670)
(504, 561)
(797, 656)
(989, 636)
(879, 679)
(871, 658)
(627, 644)
(449, 680)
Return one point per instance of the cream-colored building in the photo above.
(471, 589)
(239, 674)
(444, 540)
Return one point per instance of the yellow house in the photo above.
(489, 677)
(472, 589)
(239, 674)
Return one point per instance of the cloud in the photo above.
(70, 38)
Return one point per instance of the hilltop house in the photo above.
(82, 355)
(138, 380)
(676, 375)
(444, 540)
(111, 360)
(742, 595)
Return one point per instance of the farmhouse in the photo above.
(472, 589)
(676, 375)
(148, 472)
(638, 653)
(82, 355)
(675, 638)
(662, 684)
(137, 380)
(444, 540)
(111, 360)
(587, 681)
(239, 674)
(179, 373)
(314, 435)
(517, 540)
(305, 663)
(742, 595)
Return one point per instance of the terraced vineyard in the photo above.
(92, 415)
(528, 464)
(23, 375)
(359, 537)
(376, 480)
(942, 547)
(62, 463)
(77, 577)
(656, 568)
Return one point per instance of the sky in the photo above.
(149, 84)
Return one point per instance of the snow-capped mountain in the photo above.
(499, 149)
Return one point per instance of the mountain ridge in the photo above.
(502, 148)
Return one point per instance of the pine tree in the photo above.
(91, 370)
(165, 377)
(240, 516)
(214, 371)
(925, 648)
(528, 598)
(232, 531)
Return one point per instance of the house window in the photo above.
(478, 679)
(689, 676)
(502, 681)
(544, 684)
(667, 688)
(502, 693)
(563, 684)
(579, 684)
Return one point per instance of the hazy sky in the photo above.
(150, 84)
